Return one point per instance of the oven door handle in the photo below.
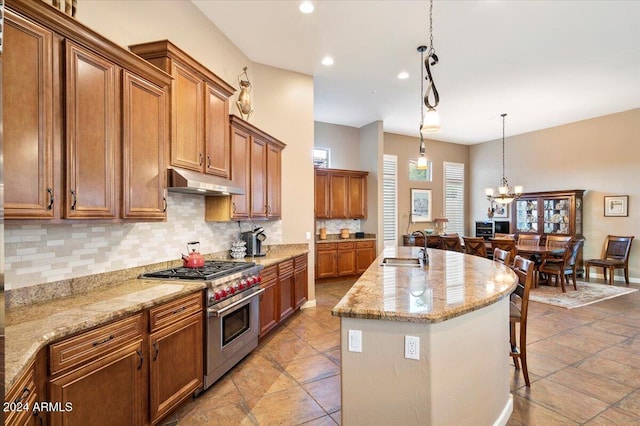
(213, 312)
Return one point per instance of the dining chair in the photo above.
(570, 269)
(518, 308)
(451, 242)
(557, 241)
(501, 256)
(528, 240)
(475, 246)
(507, 244)
(615, 255)
(499, 235)
(555, 266)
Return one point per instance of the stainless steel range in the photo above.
(233, 316)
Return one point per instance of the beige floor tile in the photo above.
(326, 392)
(257, 376)
(322, 421)
(325, 342)
(592, 334)
(591, 384)
(542, 366)
(614, 416)
(289, 350)
(557, 352)
(337, 417)
(621, 354)
(312, 368)
(575, 405)
(609, 325)
(619, 372)
(578, 342)
(631, 404)
(291, 406)
(527, 413)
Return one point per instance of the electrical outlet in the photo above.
(412, 347)
(355, 341)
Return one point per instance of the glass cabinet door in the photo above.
(556, 213)
(578, 216)
(527, 215)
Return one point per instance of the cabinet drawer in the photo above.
(365, 244)
(174, 311)
(88, 346)
(300, 263)
(285, 269)
(346, 246)
(23, 394)
(326, 246)
(269, 274)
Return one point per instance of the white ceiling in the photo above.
(545, 63)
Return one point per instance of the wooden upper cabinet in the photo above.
(92, 134)
(199, 110)
(258, 177)
(187, 118)
(75, 98)
(28, 92)
(340, 194)
(322, 194)
(274, 181)
(240, 171)
(145, 109)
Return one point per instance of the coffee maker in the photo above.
(254, 241)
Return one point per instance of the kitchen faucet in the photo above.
(425, 255)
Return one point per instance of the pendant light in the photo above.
(422, 160)
(505, 193)
(431, 120)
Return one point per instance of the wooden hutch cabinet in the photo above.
(549, 213)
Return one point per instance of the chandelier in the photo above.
(505, 193)
(429, 122)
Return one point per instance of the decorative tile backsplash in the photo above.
(335, 225)
(36, 254)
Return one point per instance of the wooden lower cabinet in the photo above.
(285, 290)
(175, 354)
(300, 280)
(108, 391)
(344, 258)
(19, 408)
(269, 299)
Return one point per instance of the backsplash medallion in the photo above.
(36, 254)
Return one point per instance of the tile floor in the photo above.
(584, 366)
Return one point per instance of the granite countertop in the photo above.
(452, 285)
(335, 238)
(31, 327)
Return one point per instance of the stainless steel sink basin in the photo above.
(401, 261)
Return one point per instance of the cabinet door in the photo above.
(365, 254)
(326, 263)
(357, 197)
(269, 300)
(346, 262)
(300, 281)
(144, 138)
(285, 289)
(187, 130)
(176, 364)
(27, 91)
(217, 144)
(106, 392)
(321, 195)
(556, 215)
(274, 181)
(526, 215)
(338, 187)
(92, 135)
(258, 177)
(240, 172)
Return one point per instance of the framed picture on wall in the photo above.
(617, 205)
(421, 205)
(501, 211)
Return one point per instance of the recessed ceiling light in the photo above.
(306, 7)
(327, 60)
(403, 75)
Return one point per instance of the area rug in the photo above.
(586, 294)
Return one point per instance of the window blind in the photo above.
(389, 198)
(454, 196)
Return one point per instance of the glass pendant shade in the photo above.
(422, 163)
(431, 122)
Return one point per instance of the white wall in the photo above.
(600, 155)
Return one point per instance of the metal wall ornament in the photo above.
(244, 97)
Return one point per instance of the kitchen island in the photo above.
(458, 308)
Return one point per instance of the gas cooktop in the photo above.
(212, 269)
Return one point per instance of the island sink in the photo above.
(401, 261)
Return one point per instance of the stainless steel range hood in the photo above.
(190, 182)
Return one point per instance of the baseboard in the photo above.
(616, 278)
(506, 413)
(309, 304)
